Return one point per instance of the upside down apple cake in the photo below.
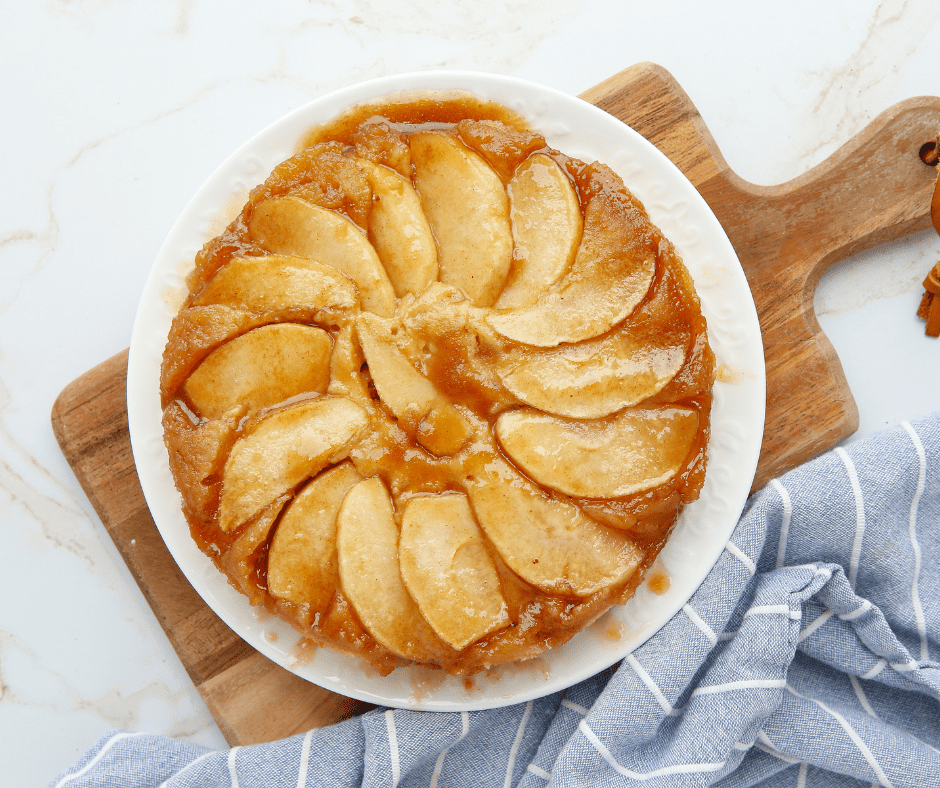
(439, 392)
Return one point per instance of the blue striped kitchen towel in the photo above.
(808, 657)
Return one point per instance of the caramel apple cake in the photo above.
(439, 393)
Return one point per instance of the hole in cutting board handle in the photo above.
(929, 154)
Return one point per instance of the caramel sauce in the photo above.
(410, 112)
(726, 374)
(658, 582)
(614, 631)
(455, 357)
(424, 681)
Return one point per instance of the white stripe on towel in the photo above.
(859, 514)
(801, 776)
(811, 628)
(575, 707)
(232, 771)
(680, 768)
(861, 610)
(650, 684)
(107, 746)
(304, 760)
(393, 746)
(696, 619)
(853, 735)
(188, 766)
(879, 666)
(771, 751)
(738, 553)
(731, 686)
(773, 610)
(862, 698)
(784, 522)
(515, 745)
(538, 771)
(912, 527)
(766, 745)
(904, 667)
(439, 764)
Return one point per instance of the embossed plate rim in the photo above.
(581, 130)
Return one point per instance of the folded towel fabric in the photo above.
(808, 657)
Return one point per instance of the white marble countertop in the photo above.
(115, 113)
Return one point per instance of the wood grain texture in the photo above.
(873, 190)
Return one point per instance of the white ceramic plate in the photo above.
(580, 130)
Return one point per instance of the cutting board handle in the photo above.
(874, 189)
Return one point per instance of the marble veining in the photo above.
(853, 92)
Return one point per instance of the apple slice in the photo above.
(421, 409)
(546, 226)
(280, 283)
(346, 378)
(468, 210)
(407, 393)
(290, 225)
(244, 560)
(592, 382)
(367, 550)
(194, 333)
(284, 448)
(549, 543)
(261, 368)
(634, 451)
(598, 377)
(611, 274)
(197, 449)
(399, 231)
(302, 559)
(448, 570)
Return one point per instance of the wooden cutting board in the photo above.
(874, 189)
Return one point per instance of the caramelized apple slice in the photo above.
(261, 368)
(302, 558)
(448, 570)
(420, 408)
(406, 392)
(194, 333)
(346, 362)
(399, 231)
(611, 274)
(598, 377)
(549, 543)
(197, 449)
(367, 549)
(284, 448)
(633, 451)
(546, 226)
(280, 283)
(244, 560)
(290, 225)
(468, 210)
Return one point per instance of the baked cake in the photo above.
(439, 392)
